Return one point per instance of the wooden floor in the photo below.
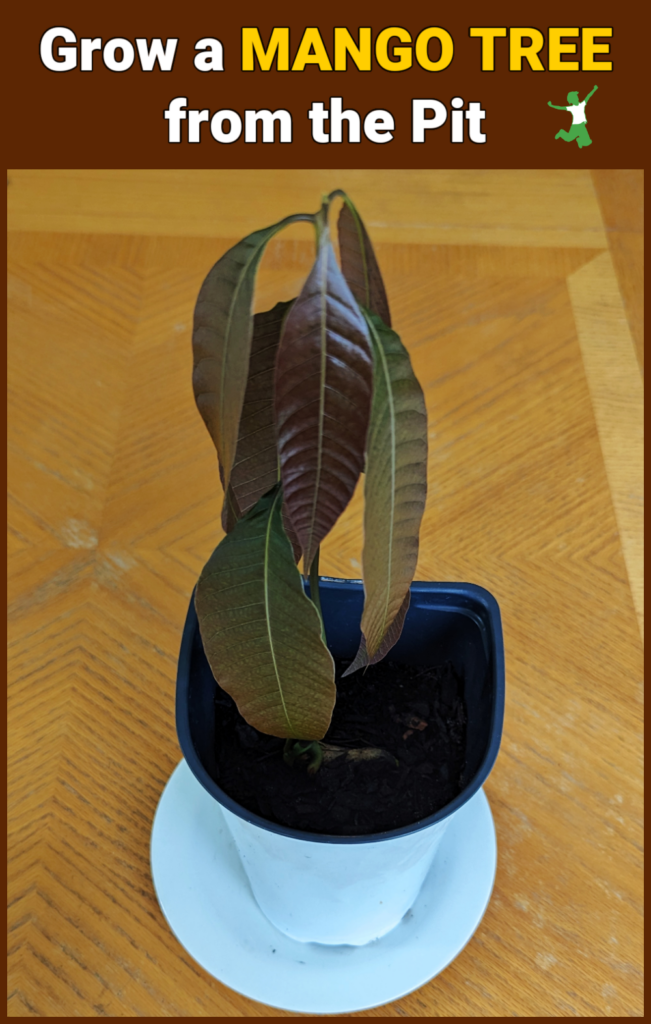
(518, 294)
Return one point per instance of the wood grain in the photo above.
(614, 380)
(503, 289)
(621, 199)
(463, 206)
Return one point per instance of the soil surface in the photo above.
(417, 714)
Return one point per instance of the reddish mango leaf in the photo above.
(255, 469)
(230, 510)
(221, 339)
(359, 265)
(323, 384)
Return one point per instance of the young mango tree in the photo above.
(299, 401)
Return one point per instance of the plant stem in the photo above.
(321, 220)
(314, 590)
(300, 748)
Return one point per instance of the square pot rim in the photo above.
(492, 620)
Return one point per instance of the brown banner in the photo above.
(355, 86)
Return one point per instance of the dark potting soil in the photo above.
(415, 713)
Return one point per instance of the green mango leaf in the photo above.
(358, 263)
(395, 489)
(261, 633)
(255, 469)
(221, 339)
(361, 659)
(323, 384)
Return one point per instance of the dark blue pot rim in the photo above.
(460, 590)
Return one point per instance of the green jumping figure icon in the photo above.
(579, 129)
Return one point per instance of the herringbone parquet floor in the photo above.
(516, 294)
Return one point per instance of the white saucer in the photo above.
(205, 896)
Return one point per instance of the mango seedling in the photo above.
(299, 400)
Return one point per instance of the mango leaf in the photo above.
(221, 339)
(323, 386)
(230, 510)
(359, 265)
(261, 633)
(392, 636)
(395, 489)
(255, 470)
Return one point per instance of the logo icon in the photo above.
(579, 128)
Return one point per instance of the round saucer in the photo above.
(206, 899)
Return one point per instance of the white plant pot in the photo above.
(331, 889)
(334, 892)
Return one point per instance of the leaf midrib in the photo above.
(324, 339)
(227, 331)
(391, 405)
(266, 607)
